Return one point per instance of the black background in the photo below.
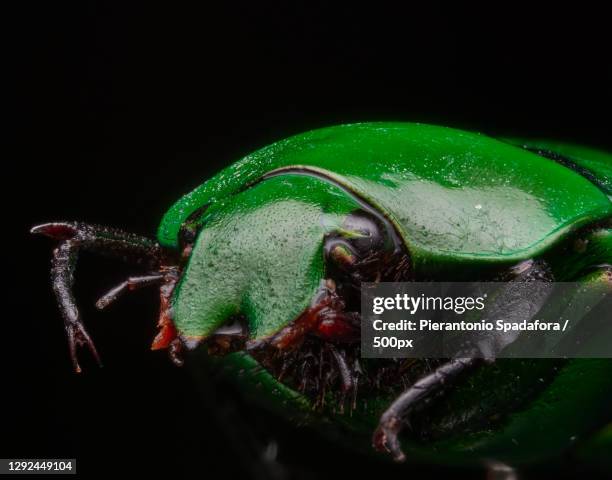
(115, 110)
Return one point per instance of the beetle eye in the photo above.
(187, 234)
(361, 230)
(189, 229)
(360, 236)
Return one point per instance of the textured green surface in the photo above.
(458, 197)
(260, 255)
(597, 161)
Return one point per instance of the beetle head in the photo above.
(286, 250)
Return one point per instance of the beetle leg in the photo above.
(395, 417)
(529, 285)
(528, 288)
(357, 372)
(500, 471)
(347, 377)
(104, 240)
(74, 237)
(62, 274)
(131, 284)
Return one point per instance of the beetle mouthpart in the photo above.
(191, 342)
(236, 328)
(175, 352)
(167, 331)
(226, 339)
(165, 336)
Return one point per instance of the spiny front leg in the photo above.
(74, 237)
(105, 240)
(394, 419)
(62, 278)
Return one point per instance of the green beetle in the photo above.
(261, 267)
